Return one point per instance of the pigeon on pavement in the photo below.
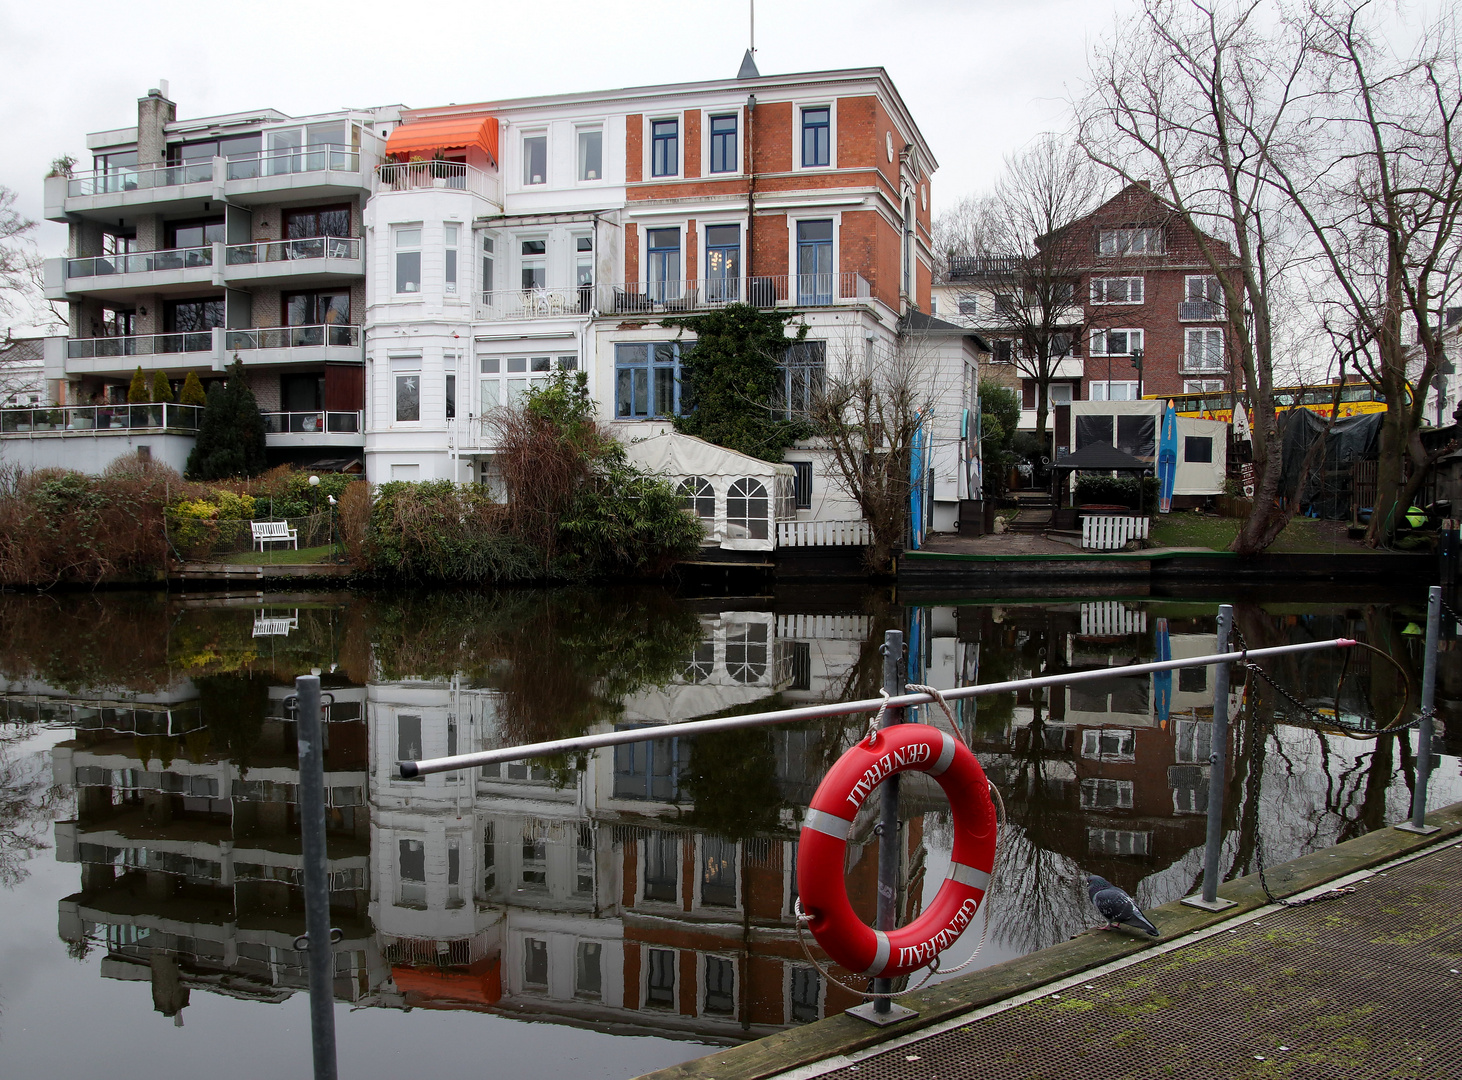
(1116, 906)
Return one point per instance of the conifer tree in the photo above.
(162, 390)
(192, 391)
(137, 393)
(230, 433)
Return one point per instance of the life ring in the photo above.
(823, 845)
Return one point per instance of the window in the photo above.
(1144, 241)
(584, 862)
(584, 272)
(1109, 744)
(535, 862)
(314, 223)
(488, 251)
(1194, 742)
(697, 494)
(1202, 298)
(489, 859)
(320, 318)
(660, 980)
(1003, 351)
(535, 264)
(665, 147)
(1116, 390)
(408, 739)
(720, 985)
(802, 485)
(801, 665)
(723, 263)
(449, 243)
(1203, 351)
(451, 397)
(408, 259)
(1198, 449)
(1116, 290)
(1115, 342)
(747, 650)
(192, 316)
(723, 143)
(1193, 680)
(192, 234)
(646, 379)
(701, 664)
(589, 969)
(408, 397)
(1005, 304)
(801, 378)
(816, 136)
(969, 305)
(1202, 386)
(535, 962)
(815, 262)
(454, 868)
(663, 250)
(411, 873)
(1101, 794)
(718, 871)
(591, 154)
(806, 994)
(650, 769)
(1058, 393)
(1117, 842)
(504, 380)
(535, 159)
(662, 866)
(746, 511)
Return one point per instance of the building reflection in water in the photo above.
(649, 888)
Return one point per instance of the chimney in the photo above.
(153, 113)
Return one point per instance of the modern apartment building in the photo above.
(1140, 292)
(195, 242)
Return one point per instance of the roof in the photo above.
(929, 324)
(445, 133)
(1103, 455)
(675, 454)
(27, 350)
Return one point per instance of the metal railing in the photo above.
(394, 176)
(1200, 311)
(972, 266)
(140, 344)
(676, 295)
(140, 177)
(536, 303)
(313, 247)
(312, 423)
(292, 337)
(1197, 363)
(286, 161)
(100, 418)
(842, 708)
(139, 262)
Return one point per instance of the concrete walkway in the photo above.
(1363, 985)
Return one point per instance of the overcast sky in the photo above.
(981, 77)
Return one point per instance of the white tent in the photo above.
(739, 498)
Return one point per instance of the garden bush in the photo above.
(1138, 493)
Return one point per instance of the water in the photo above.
(603, 915)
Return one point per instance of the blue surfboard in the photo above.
(1167, 459)
(1162, 681)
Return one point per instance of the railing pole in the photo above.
(318, 955)
(883, 1010)
(1418, 824)
(1217, 774)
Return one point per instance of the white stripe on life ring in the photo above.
(828, 824)
(880, 958)
(968, 875)
(946, 756)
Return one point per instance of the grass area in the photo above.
(284, 556)
(1301, 536)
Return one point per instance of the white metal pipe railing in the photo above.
(839, 708)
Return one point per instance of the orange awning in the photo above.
(479, 984)
(425, 137)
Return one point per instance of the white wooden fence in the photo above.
(822, 534)
(1111, 618)
(1111, 532)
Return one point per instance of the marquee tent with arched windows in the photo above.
(739, 498)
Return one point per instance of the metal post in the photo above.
(1217, 774)
(882, 1010)
(317, 888)
(1418, 824)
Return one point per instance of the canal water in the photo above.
(606, 914)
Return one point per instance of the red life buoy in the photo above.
(824, 840)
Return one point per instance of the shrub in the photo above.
(162, 390)
(1137, 493)
(192, 391)
(441, 531)
(230, 433)
(137, 393)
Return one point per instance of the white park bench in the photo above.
(1111, 532)
(271, 531)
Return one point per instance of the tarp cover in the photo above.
(1327, 490)
(674, 454)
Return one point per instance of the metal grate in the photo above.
(1357, 987)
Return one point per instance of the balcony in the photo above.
(313, 428)
(295, 172)
(311, 260)
(674, 297)
(105, 193)
(113, 276)
(294, 344)
(100, 419)
(214, 349)
(421, 176)
(1201, 311)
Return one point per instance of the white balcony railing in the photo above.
(289, 160)
(141, 177)
(1201, 311)
(138, 262)
(536, 303)
(669, 296)
(100, 418)
(272, 251)
(312, 423)
(397, 176)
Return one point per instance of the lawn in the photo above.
(284, 556)
(1302, 535)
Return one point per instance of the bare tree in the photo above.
(1189, 98)
(1375, 173)
(868, 419)
(19, 263)
(966, 230)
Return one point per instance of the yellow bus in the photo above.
(1355, 399)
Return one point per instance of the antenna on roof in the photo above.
(748, 62)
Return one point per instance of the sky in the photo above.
(981, 77)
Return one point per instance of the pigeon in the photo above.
(1116, 906)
